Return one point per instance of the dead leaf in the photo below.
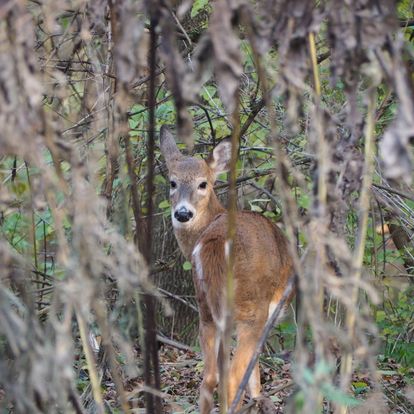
(226, 50)
(374, 404)
(176, 72)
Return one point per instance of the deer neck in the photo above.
(187, 237)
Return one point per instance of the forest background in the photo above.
(96, 302)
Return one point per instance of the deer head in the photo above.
(192, 179)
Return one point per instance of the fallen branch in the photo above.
(175, 344)
(179, 298)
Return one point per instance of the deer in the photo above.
(262, 264)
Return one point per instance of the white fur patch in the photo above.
(272, 308)
(221, 323)
(227, 249)
(216, 348)
(197, 261)
(254, 387)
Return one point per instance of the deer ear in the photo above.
(168, 146)
(219, 159)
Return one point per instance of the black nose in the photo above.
(183, 215)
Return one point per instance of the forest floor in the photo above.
(181, 373)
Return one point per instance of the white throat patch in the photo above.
(197, 261)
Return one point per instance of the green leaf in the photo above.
(270, 214)
(360, 387)
(380, 316)
(197, 6)
(187, 266)
(304, 201)
(387, 372)
(299, 401)
(164, 204)
(334, 394)
(256, 208)
(20, 188)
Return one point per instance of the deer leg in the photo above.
(208, 332)
(248, 335)
(254, 382)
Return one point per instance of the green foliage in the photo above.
(360, 387)
(394, 319)
(187, 266)
(285, 333)
(198, 5)
(396, 324)
(335, 395)
(317, 377)
(14, 229)
(165, 206)
(405, 9)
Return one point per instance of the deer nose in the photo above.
(183, 215)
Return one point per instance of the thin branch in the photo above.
(178, 298)
(224, 367)
(406, 195)
(175, 344)
(90, 361)
(253, 113)
(140, 230)
(346, 366)
(151, 362)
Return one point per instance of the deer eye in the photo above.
(173, 184)
(202, 185)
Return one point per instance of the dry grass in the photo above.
(71, 270)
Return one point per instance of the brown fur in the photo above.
(262, 265)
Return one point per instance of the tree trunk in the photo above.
(182, 323)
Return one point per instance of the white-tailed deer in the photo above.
(262, 265)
